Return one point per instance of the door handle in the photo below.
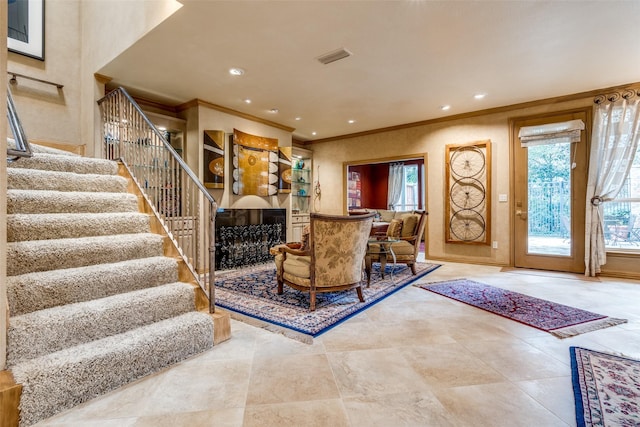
(522, 215)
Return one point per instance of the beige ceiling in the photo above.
(409, 57)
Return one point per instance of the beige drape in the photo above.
(614, 143)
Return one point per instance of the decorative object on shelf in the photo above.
(302, 192)
(213, 150)
(255, 164)
(298, 164)
(284, 169)
(468, 184)
(26, 28)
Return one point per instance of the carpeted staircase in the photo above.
(94, 303)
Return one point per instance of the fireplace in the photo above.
(244, 236)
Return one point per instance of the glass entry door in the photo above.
(549, 198)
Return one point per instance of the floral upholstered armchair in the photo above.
(333, 259)
(409, 230)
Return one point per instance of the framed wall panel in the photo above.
(213, 154)
(468, 193)
(255, 165)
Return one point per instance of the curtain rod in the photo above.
(614, 96)
(14, 80)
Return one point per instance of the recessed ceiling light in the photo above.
(162, 128)
(351, 121)
(247, 101)
(479, 95)
(445, 107)
(273, 110)
(313, 133)
(298, 118)
(236, 71)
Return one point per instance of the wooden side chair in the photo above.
(333, 259)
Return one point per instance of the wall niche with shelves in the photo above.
(301, 190)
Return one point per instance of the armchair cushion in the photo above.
(409, 223)
(297, 265)
(395, 228)
(399, 248)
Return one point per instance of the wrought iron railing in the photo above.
(175, 193)
(19, 146)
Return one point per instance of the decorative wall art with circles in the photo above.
(468, 198)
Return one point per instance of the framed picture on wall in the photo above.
(25, 32)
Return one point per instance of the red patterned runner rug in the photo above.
(560, 320)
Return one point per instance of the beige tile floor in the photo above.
(415, 359)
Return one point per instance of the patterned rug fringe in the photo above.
(571, 331)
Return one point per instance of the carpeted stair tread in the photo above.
(37, 291)
(37, 148)
(43, 255)
(35, 201)
(69, 377)
(22, 227)
(34, 179)
(46, 331)
(64, 163)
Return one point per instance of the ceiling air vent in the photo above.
(333, 56)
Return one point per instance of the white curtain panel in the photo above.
(614, 143)
(396, 181)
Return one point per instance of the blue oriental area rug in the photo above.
(251, 296)
(606, 388)
(559, 320)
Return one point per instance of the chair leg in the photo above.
(280, 287)
(413, 268)
(312, 302)
(360, 296)
(367, 269)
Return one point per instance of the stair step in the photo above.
(69, 377)
(33, 179)
(22, 227)
(35, 201)
(38, 291)
(64, 163)
(43, 255)
(46, 331)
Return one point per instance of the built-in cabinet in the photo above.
(301, 191)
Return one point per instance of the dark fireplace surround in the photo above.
(244, 236)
